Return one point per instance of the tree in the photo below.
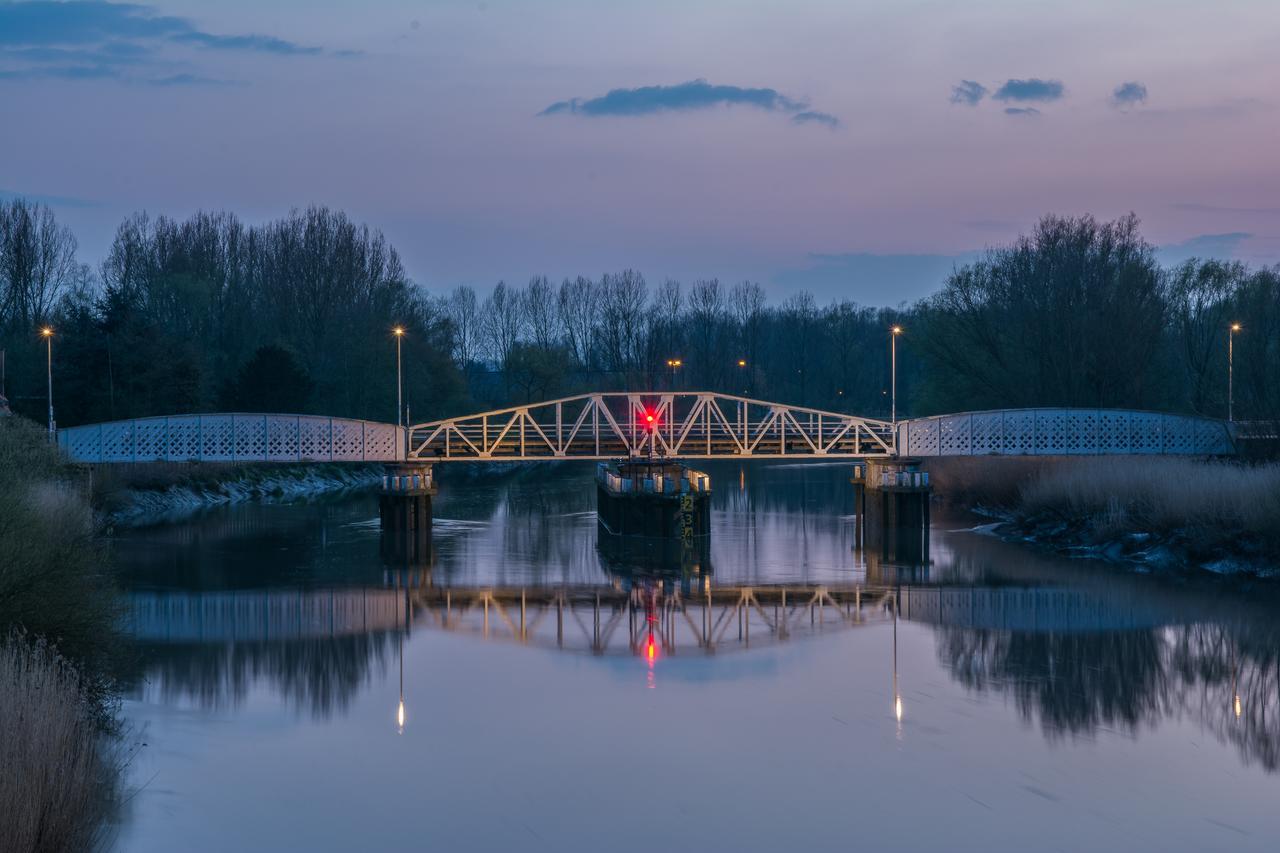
(1072, 315)
(37, 264)
(272, 380)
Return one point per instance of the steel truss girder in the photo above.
(688, 425)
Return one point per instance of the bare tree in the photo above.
(503, 322)
(576, 304)
(539, 301)
(37, 263)
(464, 312)
(622, 328)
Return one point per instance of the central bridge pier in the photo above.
(654, 514)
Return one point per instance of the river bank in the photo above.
(151, 493)
(1156, 513)
(160, 492)
(60, 652)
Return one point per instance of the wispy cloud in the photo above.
(1213, 208)
(1203, 246)
(968, 92)
(97, 40)
(1129, 94)
(1021, 111)
(266, 44)
(1031, 89)
(693, 95)
(683, 97)
(815, 117)
(50, 200)
(190, 80)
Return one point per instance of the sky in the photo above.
(856, 149)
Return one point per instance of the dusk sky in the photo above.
(854, 148)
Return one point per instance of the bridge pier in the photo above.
(404, 508)
(654, 515)
(891, 498)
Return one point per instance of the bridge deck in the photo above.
(626, 425)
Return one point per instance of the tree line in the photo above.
(296, 314)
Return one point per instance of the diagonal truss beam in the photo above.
(691, 425)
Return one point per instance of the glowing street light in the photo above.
(47, 334)
(1231, 341)
(398, 331)
(673, 364)
(893, 348)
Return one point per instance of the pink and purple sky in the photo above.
(854, 148)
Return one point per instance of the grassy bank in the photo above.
(1195, 511)
(59, 645)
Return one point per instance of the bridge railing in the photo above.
(235, 438)
(1051, 432)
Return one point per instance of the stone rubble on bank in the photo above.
(1144, 551)
(136, 507)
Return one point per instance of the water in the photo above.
(1009, 701)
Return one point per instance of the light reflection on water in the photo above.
(297, 694)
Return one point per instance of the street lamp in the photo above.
(398, 331)
(1231, 340)
(47, 334)
(742, 365)
(673, 364)
(893, 349)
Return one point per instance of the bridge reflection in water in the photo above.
(1072, 658)
(691, 616)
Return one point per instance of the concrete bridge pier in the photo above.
(404, 507)
(891, 498)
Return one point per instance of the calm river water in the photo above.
(996, 699)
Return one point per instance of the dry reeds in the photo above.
(60, 777)
(1210, 500)
(1212, 504)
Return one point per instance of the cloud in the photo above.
(49, 200)
(1021, 111)
(693, 95)
(266, 44)
(1129, 94)
(815, 117)
(1213, 208)
(871, 279)
(190, 80)
(93, 40)
(1031, 89)
(1203, 246)
(968, 92)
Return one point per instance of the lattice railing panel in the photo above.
(1053, 432)
(235, 438)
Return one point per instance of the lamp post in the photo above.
(673, 364)
(893, 357)
(1231, 395)
(47, 334)
(742, 365)
(398, 331)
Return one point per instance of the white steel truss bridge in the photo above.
(690, 425)
(636, 425)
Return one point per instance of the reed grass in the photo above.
(1208, 501)
(1211, 505)
(61, 772)
(59, 649)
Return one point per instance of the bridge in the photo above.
(690, 618)
(692, 425)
